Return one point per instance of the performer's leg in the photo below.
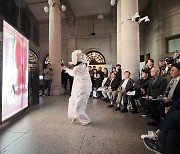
(80, 107)
(71, 108)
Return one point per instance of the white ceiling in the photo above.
(90, 7)
(79, 7)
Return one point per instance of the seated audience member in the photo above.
(140, 88)
(154, 135)
(105, 88)
(125, 85)
(157, 86)
(113, 85)
(168, 141)
(172, 92)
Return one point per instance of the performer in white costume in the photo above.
(81, 88)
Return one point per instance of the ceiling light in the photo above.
(100, 16)
(46, 9)
(63, 7)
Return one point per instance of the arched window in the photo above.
(33, 58)
(95, 58)
(46, 61)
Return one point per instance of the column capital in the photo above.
(52, 3)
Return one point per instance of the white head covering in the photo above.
(78, 56)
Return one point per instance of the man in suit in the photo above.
(125, 85)
(112, 87)
(157, 86)
(169, 139)
(171, 93)
(105, 88)
(140, 88)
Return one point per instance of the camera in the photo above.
(136, 17)
(145, 19)
(169, 60)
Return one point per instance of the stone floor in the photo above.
(45, 129)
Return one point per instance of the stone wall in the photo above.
(78, 35)
(164, 15)
(22, 19)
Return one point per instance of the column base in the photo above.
(57, 90)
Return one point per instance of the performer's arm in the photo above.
(71, 72)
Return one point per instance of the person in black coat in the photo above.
(140, 88)
(157, 86)
(114, 84)
(105, 88)
(171, 93)
(168, 142)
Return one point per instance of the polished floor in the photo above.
(45, 129)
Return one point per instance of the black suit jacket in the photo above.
(156, 87)
(115, 84)
(141, 84)
(176, 93)
(108, 81)
(129, 85)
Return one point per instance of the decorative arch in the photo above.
(46, 60)
(33, 58)
(95, 57)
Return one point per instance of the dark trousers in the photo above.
(153, 108)
(133, 103)
(47, 84)
(170, 134)
(161, 109)
(125, 100)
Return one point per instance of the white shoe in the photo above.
(151, 135)
(85, 123)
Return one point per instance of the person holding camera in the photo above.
(48, 73)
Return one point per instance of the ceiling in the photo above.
(90, 7)
(79, 7)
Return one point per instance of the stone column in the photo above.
(119, 32)
(130, 54)
(55, 45)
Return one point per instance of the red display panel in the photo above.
(15, 72)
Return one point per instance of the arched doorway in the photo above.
(33, 58)
(96, 58)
